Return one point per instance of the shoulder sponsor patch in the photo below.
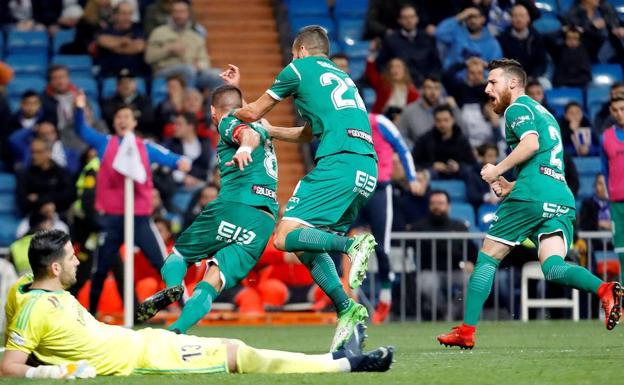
(359, 134)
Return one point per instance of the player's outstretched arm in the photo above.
(254, 111)
(301, 134)
(14, 365)
(502, 187)
(249, 140)
(524, 151)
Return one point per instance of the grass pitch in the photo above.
(551, 352)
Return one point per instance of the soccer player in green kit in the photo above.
(538, 205)
(326, 201)
(231, 231)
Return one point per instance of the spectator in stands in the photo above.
(394, 88)
(381, 18)
(32, 15)
(20, 146)
(523, 43)
(465, 36)
(477, 190)
(572, 60)
(417, 117)
(6, 74)
(612, 156)
(128, 96)
(444, 149)
(29, 114)
(198, 150)
(121, 45)
(193, 103)
(109, 193)
(176, 48)
(172, 105)
(205, 195)
(412, 45)
(599, 23)
(97, 17)
(43, 181)
(467, 89)
(156, 14)
(47, 210)
(18, 250)
(434, 274)
(576, 133)
(603, 118)
(595, 214)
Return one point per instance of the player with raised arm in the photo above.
(538, 205)
(50, 325)
(233, 230)
(327, 200)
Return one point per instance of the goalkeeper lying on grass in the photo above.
(48, 324)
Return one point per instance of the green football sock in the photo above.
(325, 275)
(196, 307)
(308, 239)
(555, 269)
(479, 287)
(173, 270)
(621, 257)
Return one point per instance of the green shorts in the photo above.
(232, 235)
(332, 194)
(516, 221)
(617, 224)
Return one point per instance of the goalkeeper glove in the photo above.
(70, 371)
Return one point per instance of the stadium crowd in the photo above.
(419, 63)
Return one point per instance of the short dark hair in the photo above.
(227, 96)
(338, 55)
(442, 108)
(45, 248)
(617, 98)
(482, 149)
(29, 94)
(124, 108)
(432, 77)
(178, 78)
(54, 68)
(392, 111)
(532, 82)
(617, 85)
(510, 66)
(314, 38)
(572, 104)
(189, 117)
(443, 192)
(404, 6)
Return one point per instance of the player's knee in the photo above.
(213, 277)
(232, 356)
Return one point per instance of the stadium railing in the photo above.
(407, 258)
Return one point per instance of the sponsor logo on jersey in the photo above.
(229, 232)
(519, 120)
(552, 210)
(364, 184)
(17, 338)
(264, 191)
(358, 134)
(545, 170)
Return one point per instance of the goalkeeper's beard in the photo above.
(68, 278)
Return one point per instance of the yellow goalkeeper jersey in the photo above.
(57, 329)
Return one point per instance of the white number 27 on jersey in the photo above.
(554, 135)
(338, 94)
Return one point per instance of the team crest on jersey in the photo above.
(364, 184)
(229, 232)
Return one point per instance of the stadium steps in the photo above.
(244, 33)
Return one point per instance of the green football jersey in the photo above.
(542, 177)
(329, 101)
(257, 184)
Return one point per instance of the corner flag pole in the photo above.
(129, 252)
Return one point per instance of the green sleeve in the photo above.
(286, 83)
(521, 120)
(229, 129)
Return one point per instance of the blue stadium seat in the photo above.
(350, 9)
(86, 83)
(80, 65)
(181, 200)
(465, 213)
(618, 5)
(296, 23)
(595, 98)
(95, 108)
(549, 7)
(334, 47)
(15, 103)
(558, 97)
(63, 36)
(485, 215)
(300, 8)
(358, 50)
(8, 205)
(27, 42)
(586, 188)
(8, 227)
(369, 97)
(564, 5)
(547, 24)
(1, 46)
(357, 67)
(589, 165)
(350, 31)
(7, 182)
(606, 74)
(158, 90)
(20, 84)
(109, 87)
(28, 64)
(456, 188)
